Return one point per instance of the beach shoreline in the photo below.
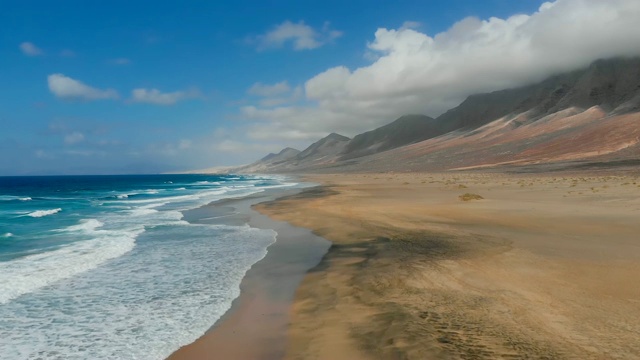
(543, 265)
(259, 315)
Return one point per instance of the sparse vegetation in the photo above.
(470, 196)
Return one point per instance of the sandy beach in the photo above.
(543, 266)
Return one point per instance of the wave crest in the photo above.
(41, 213)
(14, 198)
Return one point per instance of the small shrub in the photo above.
(469, 196)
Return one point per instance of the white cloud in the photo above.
(414, 72)
(411, 25)
(74, 138)
(30, 49)
(155, 96)
(265, 90)
(300, 35)
(67, 88)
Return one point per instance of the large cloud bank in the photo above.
(414, 72)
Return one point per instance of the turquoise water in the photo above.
(106, 266)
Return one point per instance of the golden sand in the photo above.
(541, 267)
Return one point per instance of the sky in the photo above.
(110, 87)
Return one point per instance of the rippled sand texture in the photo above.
(541, 267)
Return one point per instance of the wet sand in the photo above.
(543, 267)
(255, 326)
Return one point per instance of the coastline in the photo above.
(255, 325)
(543, 266)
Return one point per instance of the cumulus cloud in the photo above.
(414, 72)
(411, 25)
(299, 35)
(65, 87)
(155, 96)
(74, 138)
(30, 49)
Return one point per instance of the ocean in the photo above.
(106, 267)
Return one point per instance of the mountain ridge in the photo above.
(560, 108)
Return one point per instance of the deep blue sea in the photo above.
(105, 267)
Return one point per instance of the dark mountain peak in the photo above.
(336, 136)
(411, 118)
(288, 150)
(268, 157)
(284, 154)
(613, 63)
(328, 145)
(608, 83)
(405, 130)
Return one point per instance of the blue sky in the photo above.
(149, 86)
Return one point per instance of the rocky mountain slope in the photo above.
(323, 150)
(268, 162)
(407, 129)
(590, 115)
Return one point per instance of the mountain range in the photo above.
(587, 117)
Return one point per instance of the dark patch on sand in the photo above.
(310, 193)
(414, 323)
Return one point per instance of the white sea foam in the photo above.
(119, 298)
(177, 198)
(36, 271)
(42, 213)
(123, 196)
(142, 211)
(7, 235)
(13, 198)
(144, 306)
(86, 226)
